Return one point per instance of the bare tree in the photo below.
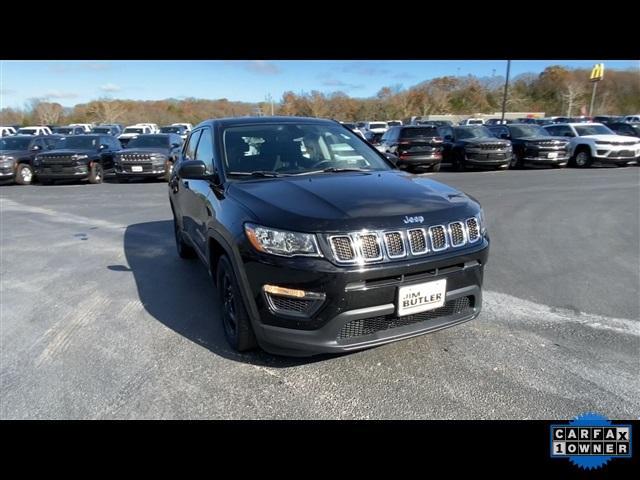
(106, 111)
(573, 92)
(48, 113)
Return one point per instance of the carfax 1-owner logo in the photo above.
(590, 441)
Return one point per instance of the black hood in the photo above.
(336, 202)
(15, 153)
(68, 152)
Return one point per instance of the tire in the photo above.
(184, 249)
(96, 173)
(24, 174)
(516, 162)
(460, 165)
(235, 319)
(168, 169)
(435, 168)
(583, 158)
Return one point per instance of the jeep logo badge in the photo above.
(408, 219)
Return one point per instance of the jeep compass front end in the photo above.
(317, 243)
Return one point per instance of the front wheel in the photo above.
(235, 319)
(168, 170)
(96, 173)
(435, 167)
(24, 174)
(515, 162)
(583, 159)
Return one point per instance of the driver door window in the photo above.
(204, 152)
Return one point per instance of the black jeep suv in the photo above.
(317, 243)
(17, 154)
(533, 144)
(416, 146)
(80, 157)
(148, 156)
(474, 146)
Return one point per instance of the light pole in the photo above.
(506, 88)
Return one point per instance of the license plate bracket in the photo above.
(421, 297)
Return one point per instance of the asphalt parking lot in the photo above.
(100, 318)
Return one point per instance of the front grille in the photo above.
(550, 143)
(417, 241)
(56, 159)
(285, 304)
(395, 245)
(343, 248)
(438, 238)
(485, 156)
(368, 326)
(370, 247)
(622, 153)
(367, 247)
(472, 229)
(456, 231)
(491, 146)
(134, 157)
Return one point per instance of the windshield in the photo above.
(377, 125)
(149, 141)
(63, 130)
(27, 131)
(80, 142)
(296, 149)
(394, 124)
(419, 132)
(171, 129)
(473, 132)
(592, 130)
(101, 130)
(528, 131)
(134, 130)
(12, 143)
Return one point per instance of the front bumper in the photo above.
(62, 172)
(487, 159)
(421, 159)
(616, 156)
(359, 310)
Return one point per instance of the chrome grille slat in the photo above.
(418, 241)
(342, 247)
(473, 232)
(438, 237)
(370, 247)
(457, 234)
(394, 244)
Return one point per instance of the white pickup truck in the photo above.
(37, 130)
(594, 142)
(133, 131)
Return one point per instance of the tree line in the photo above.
(555, 91)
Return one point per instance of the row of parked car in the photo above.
(513, 145)
(124, 134)
(87, 156)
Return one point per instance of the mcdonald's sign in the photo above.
(597, 72)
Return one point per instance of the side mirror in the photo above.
(103, 146)
(175, 145)
(504, 136)
(193, 170)
(35, 148)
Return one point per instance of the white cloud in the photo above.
(59, 94)
(110, 87)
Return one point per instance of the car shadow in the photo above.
(179, 294)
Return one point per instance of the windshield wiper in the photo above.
(257, 173)
(347, 169)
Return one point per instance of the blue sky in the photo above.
(71, 82)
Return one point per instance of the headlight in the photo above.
(157, 156)
(80, 157)
(282, 242)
